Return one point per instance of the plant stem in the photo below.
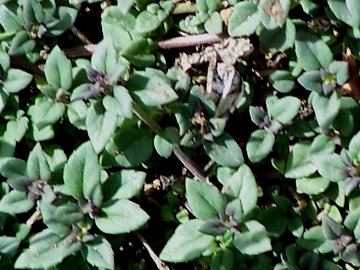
(34, 217)
(188, 41)
(176, 42)
(153, 125)
(189, 164)
(80, 35)
(159, 263)
(19, 61)
(184, 159)
(86, 50)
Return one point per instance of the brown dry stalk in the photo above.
(184, 159)
(86, 50)
(80, 35)
(34, 217)
(159, 263)
(171, 43)
(188, 41)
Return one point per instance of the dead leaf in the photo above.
(352, 87)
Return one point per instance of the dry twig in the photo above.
(159, 263)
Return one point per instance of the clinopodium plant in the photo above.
(180, 134)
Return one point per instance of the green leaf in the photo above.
(350, 255)
(9, 20)
(99, 253)
(151, 87)
(244, 19)
(45, 112)
(75, 262)
(7, 147)
(43, 134)
(354, 146)
(296, 226)
(82, 174)
(330, 167)
(282, 81)
(139, 46)
(13, 168)
(76, 113)
(273, 14)
(47, 213)
(32, 11)
(58, 70)
(67, 214)
(314, 239)
(347, 11)
(56, 158)
(124, 184)
(285, 109)
(85, 91)
(299, 164)
(125, 5)
(253, 239)
(345, 123)
(214, 25)
(242, 185)
(120, 104)
(116, 26)
(352, 219)
(341, 70)
(257, 114)
(15, 202)
(222, 259)
(223, 173)
(321, 145)
(311, 80)
(16, 128)
(225, 151)
(326, 108)
(9, 245)
(46, 249)
(211, 5)
(37, 166)
(166, 140)
(274, 219)
(187, 243)
(128, 148)
(354, 11)
(100, 125)
(279, 39)
(205, 200)
(312, 185)
(312, 52)
(259, 145)
(331, 229)
(4, 60)
(147, 22)
(16, 80)
(65, 19)
(3, 99)
(141, 60)
(308, 6)
(104, 58)
(120, 216)
(21, 44)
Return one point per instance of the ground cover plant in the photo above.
(179, 134)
